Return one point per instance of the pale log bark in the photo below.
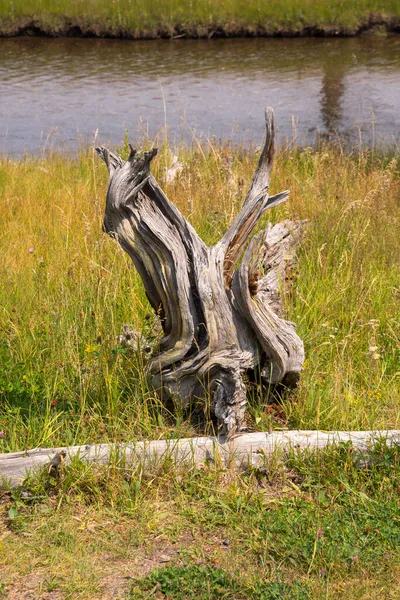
(242, 450)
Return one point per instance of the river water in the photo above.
(60, 92)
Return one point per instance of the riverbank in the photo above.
(203, 19)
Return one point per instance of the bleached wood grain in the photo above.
(242, 450)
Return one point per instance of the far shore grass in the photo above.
(203, 18)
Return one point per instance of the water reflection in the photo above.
(218, 87)
(331, 98)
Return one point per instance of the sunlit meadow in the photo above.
(67, 290)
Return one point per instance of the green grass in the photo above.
(139, 18)
(67, 289)
(305, 526)
(193, 581)
(311, 525)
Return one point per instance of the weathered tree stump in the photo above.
(220, 317)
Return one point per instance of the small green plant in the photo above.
(193, 582)
(16, 517)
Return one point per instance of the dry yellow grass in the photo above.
(67, 289)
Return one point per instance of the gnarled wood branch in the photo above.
(218, 317)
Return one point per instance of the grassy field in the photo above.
(304, 527)
(139, 18)
(67, 289)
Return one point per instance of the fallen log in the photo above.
(242, 450)
(219, 306)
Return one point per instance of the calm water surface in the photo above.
(54, 93)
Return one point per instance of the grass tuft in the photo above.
(192, 581)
